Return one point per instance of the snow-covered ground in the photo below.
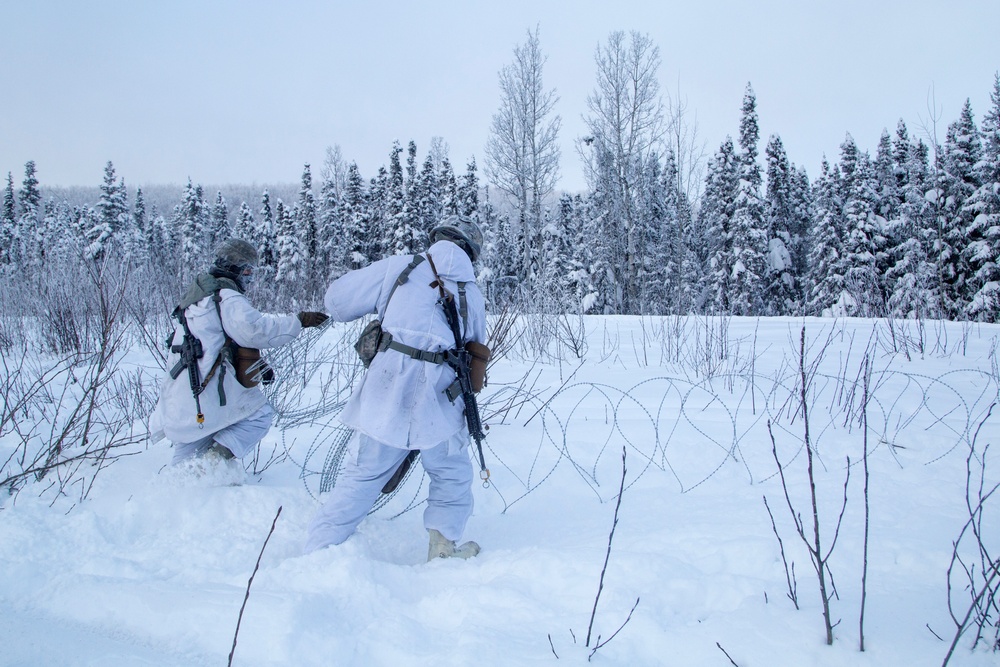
(153, 566)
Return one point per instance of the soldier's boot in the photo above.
(218, 451)
(441, 547)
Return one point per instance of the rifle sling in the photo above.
(471, 408)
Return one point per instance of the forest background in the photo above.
(664, 226)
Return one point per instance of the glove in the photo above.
(310, 318)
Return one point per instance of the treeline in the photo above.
(911, 232)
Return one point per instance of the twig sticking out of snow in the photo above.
(250, 583)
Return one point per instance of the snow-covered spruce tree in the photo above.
(218, 221)
(522, 152)
(245, 227)
(580, 289)
(140, 227)
(889, 181)
(653, 265)
(625, 124)
(45, 233)
(912, 280)
(290, 253)
(718, 206)
(801, 210)
(888, 198)
(130, 237)
(29, 196)
(65, 236)
(411, 215)
(468, 191)
(354, 214)
(671, 249)
(330, 230)
(865, 239)
(402, 237)
(190, 219)
(504, 263)
(411, 166)
(25, 247)
(982, 208)
(957, 180)
(602, 234)
(550, 287)
(379, 234)
(113, 214)
(306, 223)
(825, 278)
(8, 225)
(749, 233)
(448, 189)
(693, 274)
(161, 244)
(781, 293)
(266, 239)
(427, 196)
(559, 235)
(486, 266)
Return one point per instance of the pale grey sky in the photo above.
(244, 91)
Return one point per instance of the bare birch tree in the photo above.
(522, 153)
(626, 123)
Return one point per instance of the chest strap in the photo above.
(413, 352)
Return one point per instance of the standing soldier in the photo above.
(210, 403)
(407, 399)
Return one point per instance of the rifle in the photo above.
(458, 359)
(191, 351)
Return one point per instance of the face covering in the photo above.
(246, 277)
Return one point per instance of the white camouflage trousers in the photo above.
(370, 464)
(239, 438)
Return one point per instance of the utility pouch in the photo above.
(369, 342)
(251, 370)
(479, 356)
(372, 339)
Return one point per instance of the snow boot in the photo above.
(217, 451)
(441, 547)
(224, 466)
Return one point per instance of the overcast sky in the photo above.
(242, 91)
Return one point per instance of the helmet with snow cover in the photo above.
(461, 230)
(235, 259)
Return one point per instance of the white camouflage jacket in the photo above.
(175, 414)
(401, 401)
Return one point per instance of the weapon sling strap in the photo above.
(404, 276)
(408, 350)
(448, 304)
(217, 298)
(413, 352)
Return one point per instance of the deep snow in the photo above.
(152, 568)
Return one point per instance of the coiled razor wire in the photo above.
(329, 450)
(921, 405)
(688, 428)
(321, 360)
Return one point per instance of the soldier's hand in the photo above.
(310, 318)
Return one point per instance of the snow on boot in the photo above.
(220, 464)
(219, 452)
(441, 547)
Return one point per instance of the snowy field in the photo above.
(150, 564)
